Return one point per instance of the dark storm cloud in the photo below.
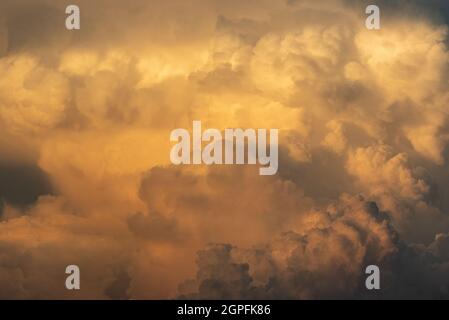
(220, 277)
(22, 185)
(117, 290)
(292, 266)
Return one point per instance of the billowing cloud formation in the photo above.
(85, 118)
(325, 261)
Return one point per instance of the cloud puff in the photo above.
(32, 97)
(326, 262)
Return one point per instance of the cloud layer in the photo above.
(85, 177)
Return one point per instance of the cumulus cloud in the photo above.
(85, 176)
(325, 262)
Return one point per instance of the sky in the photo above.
(86, 177)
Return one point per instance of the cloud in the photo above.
(84, 149)
(32, 96)
(326, 262)
(22, 185)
